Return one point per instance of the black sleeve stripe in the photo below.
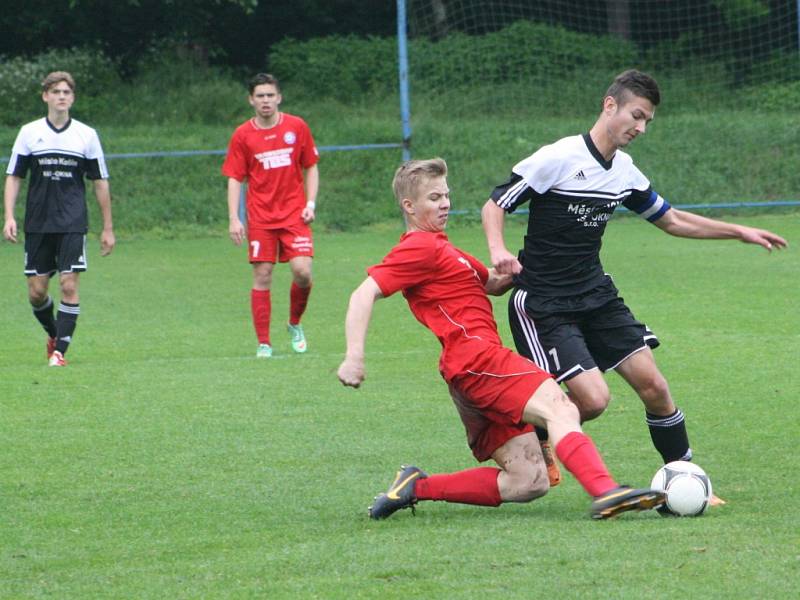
(18, 165)
(512, 193)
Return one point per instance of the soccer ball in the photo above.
(687, 486)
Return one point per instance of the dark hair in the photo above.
(636, 83)
(261, 79)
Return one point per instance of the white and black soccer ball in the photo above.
(687, 486)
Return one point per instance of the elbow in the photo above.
(489, 208)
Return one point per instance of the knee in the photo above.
(69, 290)
(654, 391)
(37, 296)
(302, 278)
(591, 405)
(262, 280)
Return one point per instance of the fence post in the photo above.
(402, 67)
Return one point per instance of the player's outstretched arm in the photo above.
(689, 225)
(10, 193)
(102, 192)
(493, 218)
(359, 312)
(235, 227)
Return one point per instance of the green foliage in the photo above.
(21, 78)
(741, 13)
(177, 104)
(352, 68)
(341, 67)
(517, 49)
(688, 157)
(773, 98)
(525, 68)
(166, 461)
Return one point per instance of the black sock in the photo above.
(65, 324)
(44, 314)
(669, 436)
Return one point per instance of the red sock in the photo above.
(298, 298)
(578, 454)
(261, 307)
(473, 486)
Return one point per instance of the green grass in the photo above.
(167, 462)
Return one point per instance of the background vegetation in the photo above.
(745, 150)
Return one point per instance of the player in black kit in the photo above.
(59, 152)
(565, 311)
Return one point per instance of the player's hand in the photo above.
(351, 372)
(308, 215)
(10, 230)
(762, 237)
(236, 231)
(505, 263)
(107, 242)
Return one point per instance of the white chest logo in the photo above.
(289, 137)
(276, 158)
(465, 262)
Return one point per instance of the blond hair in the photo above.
(411, 174)
(57, 77)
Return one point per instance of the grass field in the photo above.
(167, 462)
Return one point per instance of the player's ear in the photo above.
(609, 105)
(408, 206)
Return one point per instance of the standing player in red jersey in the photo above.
(275, 153)
(499, 394)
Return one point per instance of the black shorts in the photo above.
(46, 253)
(566, 343)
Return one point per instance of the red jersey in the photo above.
(445, 290)
(272, 161)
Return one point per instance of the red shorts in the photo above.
(280, 245)
(491, 396)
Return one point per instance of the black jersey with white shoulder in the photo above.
(58, 160)
(573, 191)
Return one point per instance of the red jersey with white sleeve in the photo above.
(272, 161)
(445, 290)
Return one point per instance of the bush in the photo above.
(351, 68)
(773, 97)
(346, 68)
(21, 77)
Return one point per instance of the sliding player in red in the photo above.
(498, 394)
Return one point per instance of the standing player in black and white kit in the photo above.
(58, 151)
(565, 312)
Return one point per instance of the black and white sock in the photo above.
(65, 325)
(44, 314)
(669, 436)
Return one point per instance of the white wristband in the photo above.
(311, 204)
